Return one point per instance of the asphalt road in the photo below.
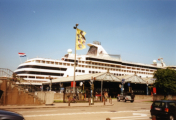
(119, 111)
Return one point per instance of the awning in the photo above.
(97, 77)
(133, 79)
(149, 80)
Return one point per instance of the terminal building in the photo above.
(99, 83)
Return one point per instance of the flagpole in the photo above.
(75, 27)
(20, 58)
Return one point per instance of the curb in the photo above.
(52, 106)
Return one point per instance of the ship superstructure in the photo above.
(96, 60)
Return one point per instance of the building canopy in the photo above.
(106, 76)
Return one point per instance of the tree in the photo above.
(165, 81)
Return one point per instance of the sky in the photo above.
(139, 30)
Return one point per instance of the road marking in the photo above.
(61, 114)
(140, 114)
(134, 117)
(37, 111)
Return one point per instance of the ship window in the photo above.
(64, 64)
(79, 65)
(76, 70)
(68, 64)
(72, 64)
(83, 71)
(60, 63)
(52, 62)
(89, 71)
(31, 76)
(56, 63)
(82, 65)
(37, 61)
(23, 76)
(43, 61)
(39, 77)
(79, 70)
(47, 62)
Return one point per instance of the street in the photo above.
(119, 111)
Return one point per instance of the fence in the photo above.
(162, 97)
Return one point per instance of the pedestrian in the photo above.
(77, 96)
(132, 95)
(118, 97)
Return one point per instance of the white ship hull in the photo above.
(97, 60)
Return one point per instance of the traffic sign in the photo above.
(123, 81)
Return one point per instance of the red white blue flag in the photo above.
(22, 54)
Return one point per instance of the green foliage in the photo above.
(166, 80)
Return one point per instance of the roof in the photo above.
(149, 80)
(133, 79)
(105, 76)
(98, 77)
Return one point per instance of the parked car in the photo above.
(7, 115)
(164, 109)
(126, 97)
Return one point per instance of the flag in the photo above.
(22, 54)
(80, 39)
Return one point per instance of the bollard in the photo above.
(89, 101)
(108, 119)
(110, 99)
(104, 101)
(69, 103)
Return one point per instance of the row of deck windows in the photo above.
(37, 77)
(100, 66)
(90, 63)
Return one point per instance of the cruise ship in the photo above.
(97, 60)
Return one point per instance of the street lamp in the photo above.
(50, 82)
(75, 27)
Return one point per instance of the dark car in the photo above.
(7, 115)
(164, 109)
(126, 97)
